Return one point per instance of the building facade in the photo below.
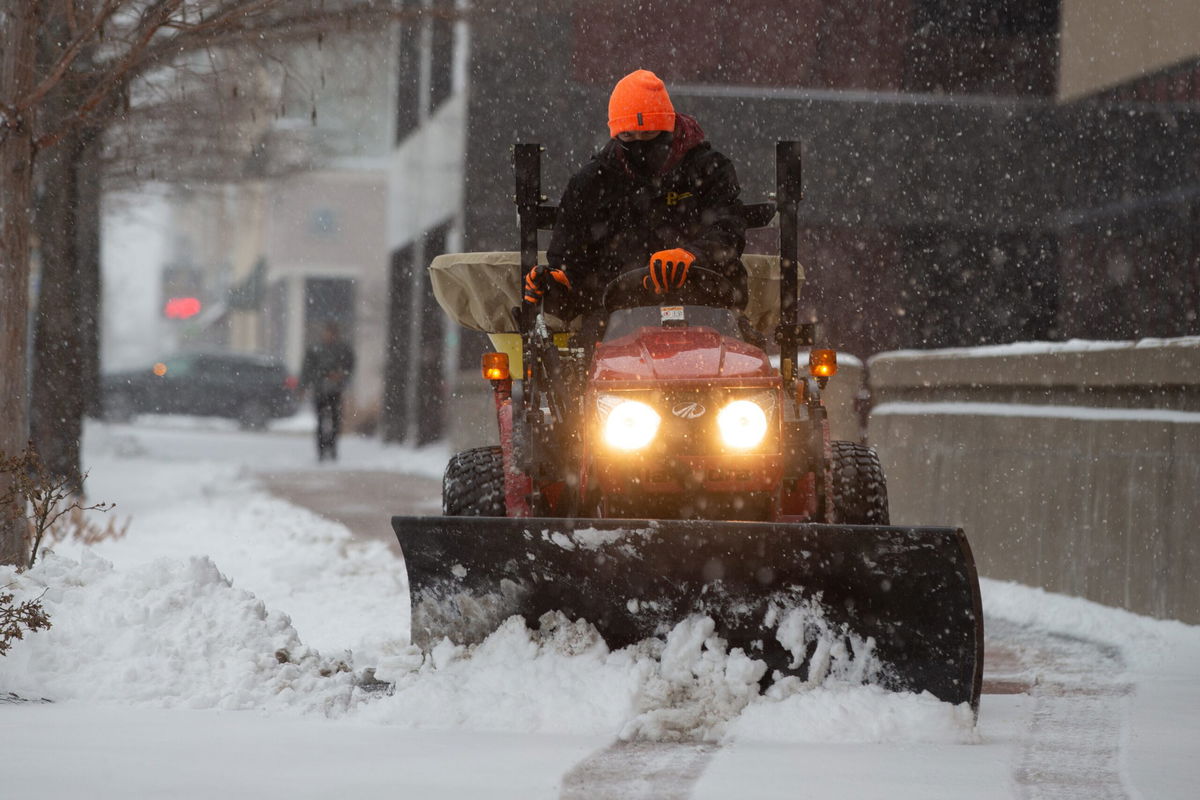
(975, 172)
(301, 240)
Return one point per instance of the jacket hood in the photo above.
(687, 136)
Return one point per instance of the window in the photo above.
(987, 18)
(991, 47)
(441, 77)
(431, 401)
(408, 83)
(397, 367)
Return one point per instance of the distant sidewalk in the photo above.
(362, 500)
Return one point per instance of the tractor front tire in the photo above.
(859, 488)
(473, 485)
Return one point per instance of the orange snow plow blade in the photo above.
(911, 594)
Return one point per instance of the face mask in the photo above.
(648, 157)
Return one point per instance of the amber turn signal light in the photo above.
(495, 366)
(822, 363)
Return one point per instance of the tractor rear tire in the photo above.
(859, 488)
(473, 485)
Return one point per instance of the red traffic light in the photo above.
(182, 307)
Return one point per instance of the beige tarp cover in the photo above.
(478, 290)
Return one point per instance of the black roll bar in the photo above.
(790, 334)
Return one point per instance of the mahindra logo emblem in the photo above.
(688, 410)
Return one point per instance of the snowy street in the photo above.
(225, 647)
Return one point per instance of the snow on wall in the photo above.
(1036, 411)
(1041, 348)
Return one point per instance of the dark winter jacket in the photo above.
(612, 218)
(326, 368)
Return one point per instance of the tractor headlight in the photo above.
(631, 425)
(743, 424)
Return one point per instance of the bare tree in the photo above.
(18, 77)
(73, 88)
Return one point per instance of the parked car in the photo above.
(251, 389)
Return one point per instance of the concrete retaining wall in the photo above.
(1075, 467)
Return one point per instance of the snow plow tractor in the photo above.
(670, 468)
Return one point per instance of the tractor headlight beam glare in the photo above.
(743, 424)
(631, 425)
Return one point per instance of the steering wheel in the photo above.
(704, 287)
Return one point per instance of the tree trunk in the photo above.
(67, 221)
(18, 39)
(87, 237)
(56, 411)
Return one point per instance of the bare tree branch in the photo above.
(233, 14)
(249, 21)
(299, 26)
(152, 19)
(72, 51)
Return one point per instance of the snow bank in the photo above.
(341, 593)
(168, 634)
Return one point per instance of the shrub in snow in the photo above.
(52, 505)
(17, 618)
(77, 526)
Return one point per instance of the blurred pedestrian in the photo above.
(326, 370)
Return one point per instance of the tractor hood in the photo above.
(658, 354)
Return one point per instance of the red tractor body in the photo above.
(688, 374)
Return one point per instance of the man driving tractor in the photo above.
(659, 464)
(657, 195)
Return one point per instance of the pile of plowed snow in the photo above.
(341, 592)
(167, 634)
(177, 633)
(562, 678)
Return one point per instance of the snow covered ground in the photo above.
(224, 646)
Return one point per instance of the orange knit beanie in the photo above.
(640, 103)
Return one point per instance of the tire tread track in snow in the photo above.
(1072, 749)
(630, 770)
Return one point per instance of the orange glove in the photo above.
(535, 282)
(669, 269)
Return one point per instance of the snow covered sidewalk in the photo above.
(223, 647)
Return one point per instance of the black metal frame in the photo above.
(539, 454)
(790, 334)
